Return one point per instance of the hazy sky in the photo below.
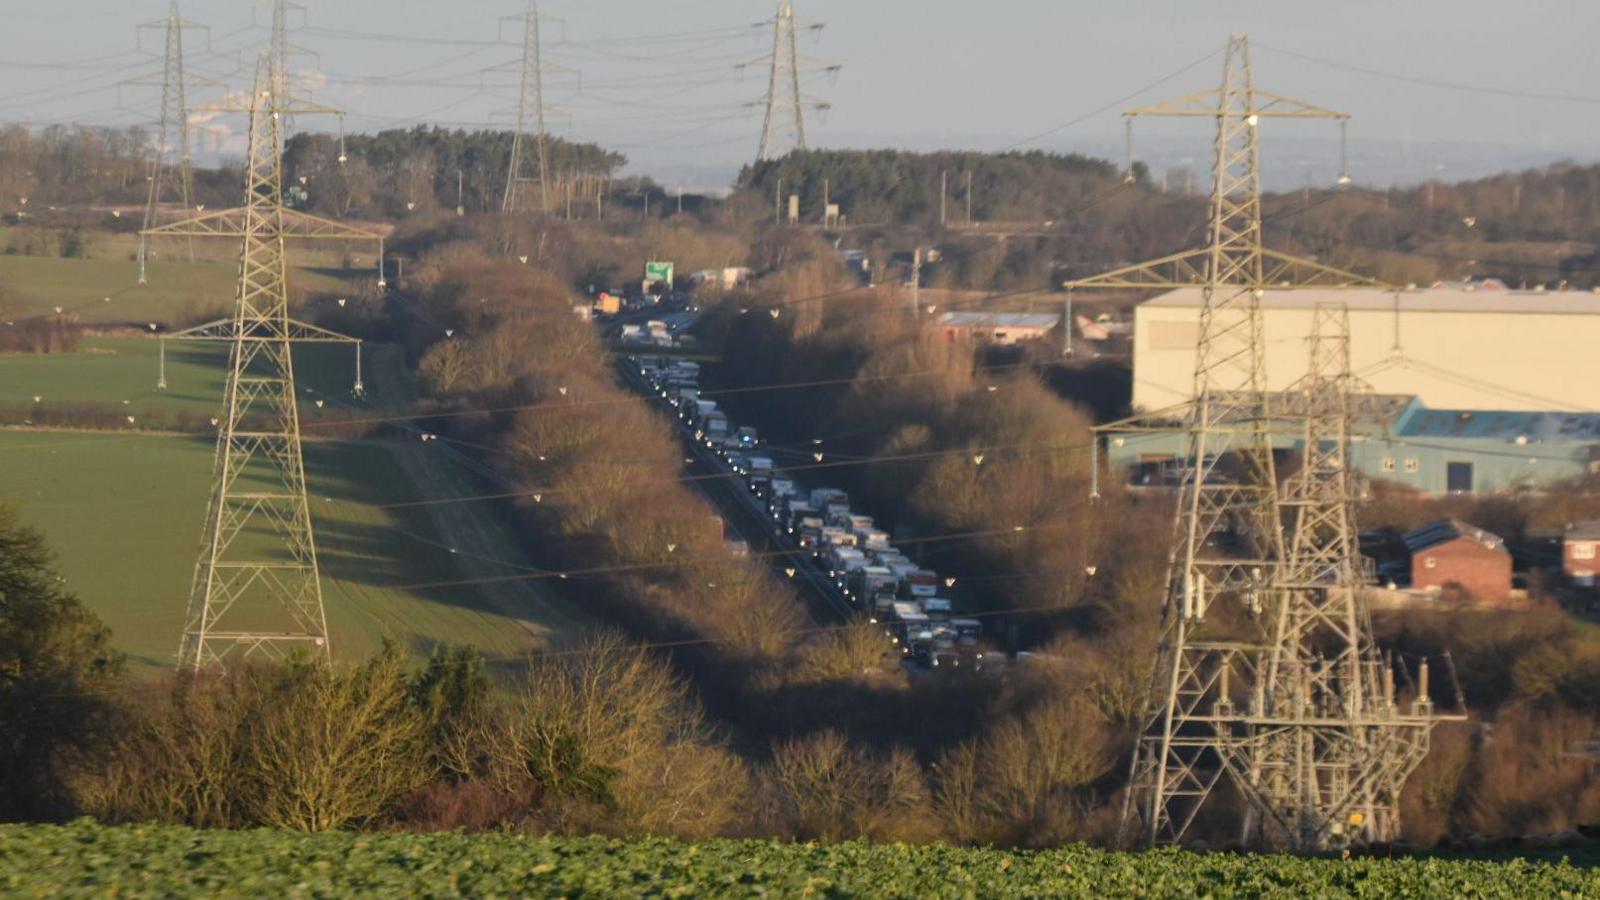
(980, 75)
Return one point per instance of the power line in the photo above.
(1432, 82)
(688, 562)
(1109, 106)
(527, 493)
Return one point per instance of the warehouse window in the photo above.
(1411, 464)
(1458, 477)
(1388, 464)
(1583, 551)
(1430, 562)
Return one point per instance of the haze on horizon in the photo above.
(680, 95)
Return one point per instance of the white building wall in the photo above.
(1454, 355)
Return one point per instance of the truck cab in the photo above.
(874, 539)
(870, 584)
(919, 583)
(967, 630)
(809, 534)
(714, 427)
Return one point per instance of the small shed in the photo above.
(997, 328)
(1452, 552)
(1580, 546)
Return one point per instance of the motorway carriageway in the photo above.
(746, 515)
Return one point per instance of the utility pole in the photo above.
(1304, 757)
(170, 157)
(530, 110)
(777, 203)
(969, 196)
(1066, 325)
(256, 587)
(916, 282)
(944, 193)
(461, 203)
(825, 200)
(783, 86)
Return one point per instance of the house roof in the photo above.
(1454, 299)
(1588, 530)
(1446, 530)
(999, 320)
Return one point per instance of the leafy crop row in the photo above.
(86, 859)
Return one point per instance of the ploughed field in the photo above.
(83, 859)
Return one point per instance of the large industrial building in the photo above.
(1459, 347)
(1481, 389)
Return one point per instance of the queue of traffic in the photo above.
(844, 549)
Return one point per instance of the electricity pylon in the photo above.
(783, 85)
(1236, 624)
(1331, 746)
(282, 50)
(170, 157)
(256, 586)
(279, 48)
(530, 107)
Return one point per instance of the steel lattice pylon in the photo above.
(1325, 747)
(170, 158)
(783, 85)
(256, 585)
(530, 105)
(1231, 694)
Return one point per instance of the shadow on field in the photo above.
(397, 547)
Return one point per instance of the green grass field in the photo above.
(83, 859)
(123, 514)
(107, 290)
(112, 370)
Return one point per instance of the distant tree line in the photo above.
(400, 171)
(899, 186)
(71, 164)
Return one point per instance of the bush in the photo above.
(305, 746)
(608, 738)
(822, 788)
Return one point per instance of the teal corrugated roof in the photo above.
(1502, 425)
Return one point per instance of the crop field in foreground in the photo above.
(83, 859)
(123, 512)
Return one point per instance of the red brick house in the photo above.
(1451, 552)
(1580, 552)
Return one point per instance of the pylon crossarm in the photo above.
(1283, 271)
(1266, 105)
(285, 106)
(1288, 272)
(231, 223)
(1163, 420)
(226, 330)
(1187, 269)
